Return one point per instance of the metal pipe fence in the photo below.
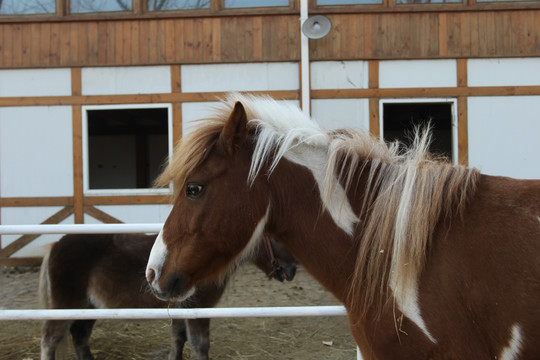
(171, 313)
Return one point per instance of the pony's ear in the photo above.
(235, 130)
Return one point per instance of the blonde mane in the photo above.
(406, 195)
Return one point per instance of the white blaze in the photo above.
(156, 259)
(511, 352)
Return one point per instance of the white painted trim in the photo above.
(454, 112)
(86, 173)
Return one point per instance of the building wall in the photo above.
(37, 142)
(503, 136)
(340, 113)
(36, 157)
(498, 101)
(503, 131)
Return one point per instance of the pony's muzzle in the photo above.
(150, 275)
(283, 270)
(174, 288)
(171, 286)
(157, 257)
(165, 285)
(289, 271)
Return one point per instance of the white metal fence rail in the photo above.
(80, 229)
(172, 313)
(58, 314)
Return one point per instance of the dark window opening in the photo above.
(126, 147)
(401, 119)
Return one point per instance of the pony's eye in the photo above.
(194, 189)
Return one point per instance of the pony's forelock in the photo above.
(188, 154)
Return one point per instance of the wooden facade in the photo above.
(385, 35)
(372, 33)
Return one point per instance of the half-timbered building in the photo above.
(94, 94)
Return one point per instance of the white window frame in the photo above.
(453, 109)
(86, 162)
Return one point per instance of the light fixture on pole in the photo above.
(316, 27)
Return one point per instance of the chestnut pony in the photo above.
(107, 271)
(431, 260)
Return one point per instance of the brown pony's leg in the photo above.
(197, 331)
(54, 332)
(199, 337)
(80, 332)
(179, 338)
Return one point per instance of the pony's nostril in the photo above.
(150, 275)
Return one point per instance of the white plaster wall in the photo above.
(134, 214)
(30, 216)
(240, 77)
(126, 80)
(417, 73)
(195, 111)
(35, 82)
(504, 135)
(191, 112)
(341, 113)
(339, 75)
(36, 155)
(504, 72)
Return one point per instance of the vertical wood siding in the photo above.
(402, 35)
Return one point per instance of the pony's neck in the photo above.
(298, 220)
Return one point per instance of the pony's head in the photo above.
(275, 260)
(218, 219)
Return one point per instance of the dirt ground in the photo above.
(300, 338)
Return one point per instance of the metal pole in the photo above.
(80, 229)
(304, 60)
(172, 313)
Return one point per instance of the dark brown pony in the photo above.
(107, 271)
(431, 260)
